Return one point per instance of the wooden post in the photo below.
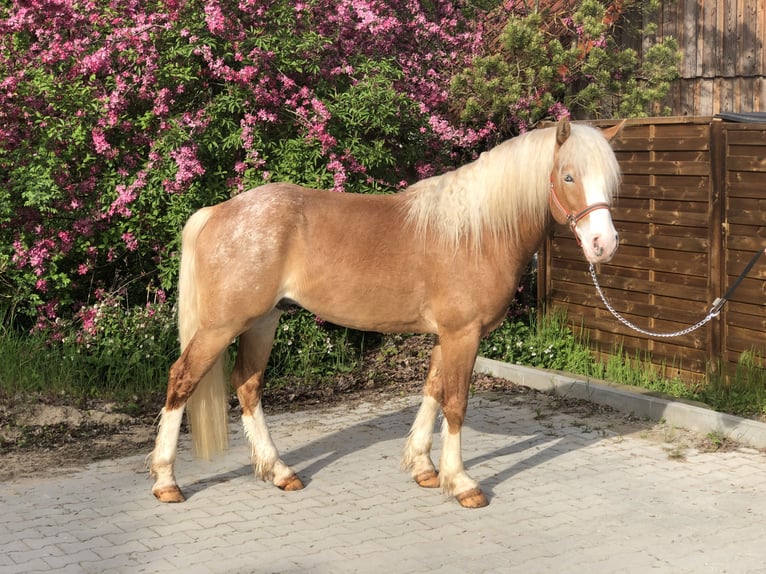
(543, 275)
(717, 232)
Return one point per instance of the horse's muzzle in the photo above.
(601, 248)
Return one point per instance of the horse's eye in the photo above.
(568, 178)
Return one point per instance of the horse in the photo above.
(443, 256)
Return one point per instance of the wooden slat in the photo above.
(744, 184)
(667, 141)
(741, 340)
(709, 35)
(756, 324)
(761, 33)
(617, 287)
(745, 135)
(748, 39)
(666, 167)
(747, 238)
(685, 189)
(747, 163)
(750, 213)
(728, 63)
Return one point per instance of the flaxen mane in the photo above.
(504, 185)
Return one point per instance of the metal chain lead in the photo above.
(711, 315)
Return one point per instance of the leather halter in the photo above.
(572, 217)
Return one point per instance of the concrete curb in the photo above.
(641, 403)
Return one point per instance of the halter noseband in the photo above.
(572, 217)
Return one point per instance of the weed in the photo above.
(677, 453)
(716, 441)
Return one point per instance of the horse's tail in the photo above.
(207, 407)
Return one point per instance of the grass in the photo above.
(29, 365)
(129, 374)
(551, 344)
(742, 392)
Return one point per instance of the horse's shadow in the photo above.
(322, 452)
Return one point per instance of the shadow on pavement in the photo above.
(520, 437)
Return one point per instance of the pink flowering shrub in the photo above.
(118, 119)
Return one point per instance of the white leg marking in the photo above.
(417, 451)
(453, 477)
(164, 454)
(266, 461)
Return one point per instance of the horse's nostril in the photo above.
(598, 249)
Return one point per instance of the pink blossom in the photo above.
(97, 62)
(558, 111)
(160, 296)
(188, 167)
(162, 102)
(99, 141)
(126, 194)
(216, 22)
(83, 226)
(339, 173)
(89, 316)
(130, 241)
(67, 241)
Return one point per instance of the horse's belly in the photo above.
(379, 310)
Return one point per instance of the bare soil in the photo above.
(43, 436)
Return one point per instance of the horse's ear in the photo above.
(610, 133)
(563, 131)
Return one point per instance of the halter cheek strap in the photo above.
(572, 217)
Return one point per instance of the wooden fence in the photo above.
(691, 213)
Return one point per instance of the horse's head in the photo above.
(584, 178)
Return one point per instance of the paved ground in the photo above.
(568, 493)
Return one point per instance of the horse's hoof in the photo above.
(291, 483)
(428, 479)
(473, 498)
(169, 494)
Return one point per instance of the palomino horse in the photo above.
(443, 257)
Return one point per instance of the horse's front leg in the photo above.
(417, 452)
(247, 377)
(459, 354)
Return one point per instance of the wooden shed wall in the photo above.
(691, 212)
(724, 57)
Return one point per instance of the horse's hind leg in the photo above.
(247, 377)
(202, 353)
(417, 452)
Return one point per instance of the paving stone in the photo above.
(567, 494)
